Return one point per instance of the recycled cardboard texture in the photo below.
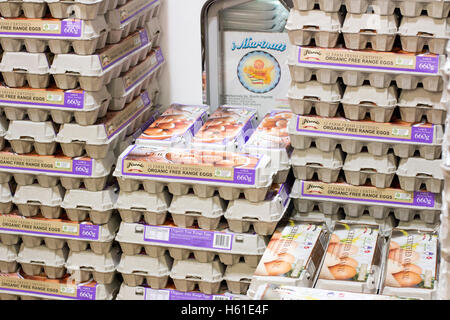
(25, 136)
(385, 225)
(238, 277)
(8, 258)
(38, 260)
(416, 104)
(19, 68)
(34, 199)
(413, 173)
(6, 197)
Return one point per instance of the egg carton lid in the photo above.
(314, 20)
(6, 194)
(145, 265)
(368, 22)
(317, 217)
(43, 132)
(317, 158)
(386, 225)
(42, 255)
(129, 12)
(368, 95)
(69, 29)
(34, 63)
(364, 161)
(425, 26)
(421, 98)
(316, 91)
(8, 253)
(417, 224)
(191, 269)
(4, 123)
(223, 241)
(34, 194)
(143, 201)
(76, 1)
(414, 167)
(154, 26)
(190, 204)
(90, 200)
(239, 272)
(89, 261)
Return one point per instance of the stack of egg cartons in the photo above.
(366, 88)
(189, 196)
(79, 78)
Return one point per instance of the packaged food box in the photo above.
(204, 171)
(404, 138)
(312, 162)
(412, 264)
(129, 17)
(227, 129)
(19, 68)
(414, 173)
(263, 216)
(8, 258)
(98, 206)
(92, 72)
(238, 277)
(135, 205)
(356, 199)
(33, 199)
(42, 260)
(24, 136)
(356, 66)
(353, 259)
(416, 104)
(379, 170)
(6, 197)
(50, 170)
(323, 27)
(293, 255)
(271, 138)
(142, 268)
(85, 265)
(175, 127)
(85, 107)
(131, 83)
(181, 242)
(55, 233)
(385, 225)
(324, 98)
(59, 35)
(41, 287)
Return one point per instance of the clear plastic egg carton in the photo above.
(416, 104)
(263, 216)
(96, 206)
(129, 17)
(55, 233)
(405, 139)
(8, 258)
(408, 8)
(141, 268)
(129, 84)
(51, 170)
(181, 242)
(42, 260)
(355, 66)
(238, 277)
(229, 173)
(83, 37)
(20, 68)
(33, 200)
(62, 106)
(414, 173)
(323, 27)
(324, 98)
(361, 29)
(330, 197)
(91, 72)
(87, 265)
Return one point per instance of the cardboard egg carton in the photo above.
(8, 258)
(50, 170)
(63, 106)
(20, 68)
(6, 197)
(379, 170)
(355, 66)
(42, 260)
(416, 32)
(324, 98)
(129, 17)
(87, 265)
(419, 103)
(92, 72)
(4, 124)
(83, 37)
(323, 27)
(155, 33)
(97, 206)
(26, 136)
(379, 103)
(141, 165)
(415, 172)
(33, 200)
(293, 256)
(238, 277)
(329, 197)
(405, 139)
(326, 165)
(180, 242)
(55, 233)
(130, 83)
(385, 225)
(142, 268)
(263, 216)
(317, 217)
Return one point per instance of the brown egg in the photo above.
(404, 256)
(342, 250)
(277, 267)
(342, 272)
(282, 123)
(407, 278)
(153, 131)
(166, 126)
(224, 163)
(334, 238)
(393, 245)
(286, 257)
(349, 262)
(283, 115)
(269, 123)
(413, 268)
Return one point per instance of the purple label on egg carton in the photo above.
(422, 135)
(424, 199)
(74, 100)
(86, 293)
(89, 231)
(71, 28)
(82, 167)
(170, 294)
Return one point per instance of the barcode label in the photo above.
(153, 294)
(156, 233)
(222, 241)
(221, 298)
